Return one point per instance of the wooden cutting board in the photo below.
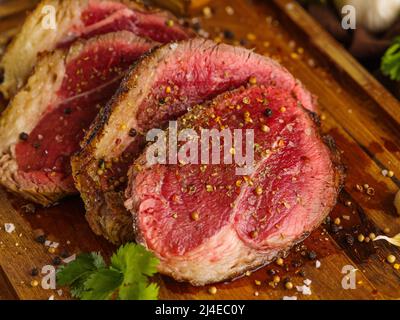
(356, 110)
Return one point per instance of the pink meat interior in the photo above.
(293, 171)
(106, 16)
(193, 76)
(90, 80)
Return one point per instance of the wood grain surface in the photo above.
(356, 110)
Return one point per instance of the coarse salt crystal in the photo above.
(289, 298)
(51, 244)
(9, 227)
(51, 297)
(70, 259)
(306, 291)
(60, 292)
(54, 245)
(230, 11)
(384, 172)
(307, 282)
(317, 264)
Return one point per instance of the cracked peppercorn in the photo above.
(312, 255)
(268, 112)
(349, 239)
(64, 254)
(67, 111)
(228, 34)
(23, 136)
(132, 133)
(41, 239)
(57, 261)
(334, 228)
(34, 272)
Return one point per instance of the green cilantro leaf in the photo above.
(126, 278)
(102, 284)
(80, 268)
(139, 291)
(136, 263)
(390, 65)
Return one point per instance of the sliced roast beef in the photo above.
(45, 121)
(205, 222)
(57, 23)
(163, 86)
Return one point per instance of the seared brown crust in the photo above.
(68, 12)
(85, 163)
(25, 111)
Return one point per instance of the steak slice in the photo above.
(83, 18)
(45, 121)
(163, 86)
(207, 224)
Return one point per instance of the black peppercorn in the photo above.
(302, 273)
(328, 220)
(197, 26)
(132, 133)
(64, 254)
(34, 272)
(271, 272)
(287, 279)
(296, 263)
(243, 42)
(23, 136)
(334, 228)
(312, 255)
(229, 35)
(67, 111)
(349, 239)
(57, 261)
(41, 239)
(268, 112)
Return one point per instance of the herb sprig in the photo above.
(390, 65)
(126, 278)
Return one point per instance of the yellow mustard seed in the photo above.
(259, 191)
(361, 238)
(337, 221)
(391, 258)
(212, 290)
(289, 285)
(246, 100)
(265, 128)
(253, 80)
(254, 234)
(277, 279)
(195, 216)
(251, 37)
(34, 283)
(279, 262)
(372, 236)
